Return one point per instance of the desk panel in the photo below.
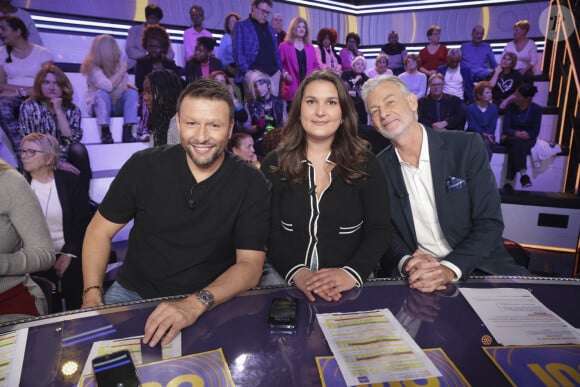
(258, 357)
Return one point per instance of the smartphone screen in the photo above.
(283, 312)
(115, 370)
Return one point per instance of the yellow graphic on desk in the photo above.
(330, 374)
(198, 370)
(542, 365)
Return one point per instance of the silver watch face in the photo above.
(206, 298)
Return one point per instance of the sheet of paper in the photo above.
(12, 348)
(515, 317)
(134, 346)
(373, 347)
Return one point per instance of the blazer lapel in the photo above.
(400, 195)
(438, 169)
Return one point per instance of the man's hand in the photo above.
(329, 283)
(426, 274)
(489, 137)
(169, 318)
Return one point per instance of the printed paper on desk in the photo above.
(13, 345)
(515, 317)
(373, 347)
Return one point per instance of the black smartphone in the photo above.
(115, 370)
(283, 312)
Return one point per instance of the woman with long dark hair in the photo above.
(330, 220)
(161, 92)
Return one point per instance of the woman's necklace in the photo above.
(47, 202)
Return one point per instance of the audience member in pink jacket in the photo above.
(298, 57)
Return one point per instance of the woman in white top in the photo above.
(381, 67)
(65, 205)
(415, 80)
(108, 89)
(20, 60)
(524, 48)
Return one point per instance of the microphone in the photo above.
(312, 190)
(401, 194)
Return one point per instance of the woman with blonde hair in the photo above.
(109, 91)
(525, 49)
(317, 242)
(353, 80)
(25, 246)
(381, 67)
(298, 57)
(64, 203)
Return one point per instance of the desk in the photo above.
(239, 327)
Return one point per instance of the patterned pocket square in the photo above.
(455, 183)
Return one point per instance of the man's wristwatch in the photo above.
(205, 297)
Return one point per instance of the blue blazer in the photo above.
(245, 46)
(467, 200)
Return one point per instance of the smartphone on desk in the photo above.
(115, 370)
(283, 314)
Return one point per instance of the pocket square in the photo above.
(455, 183)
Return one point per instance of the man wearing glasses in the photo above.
(439, 110)
(255, 47)
(191, 34)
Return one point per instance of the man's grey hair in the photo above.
(375, 82)
(455, 52)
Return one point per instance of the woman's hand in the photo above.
(56, 104)
(300, 280)
(522, 134)
(329, 283)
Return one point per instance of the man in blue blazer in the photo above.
(445, 206)
(255, 47)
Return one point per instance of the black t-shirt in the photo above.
(506, 85)
(185, 234)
